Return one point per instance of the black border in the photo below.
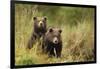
(12, 33)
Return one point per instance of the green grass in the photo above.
(77, 26)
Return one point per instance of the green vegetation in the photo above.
(77, 35)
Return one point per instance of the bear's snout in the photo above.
(41, 24)
(55, 40)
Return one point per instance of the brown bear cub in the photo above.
(52, 42)
(39, 29)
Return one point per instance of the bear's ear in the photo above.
(34, 18)
(50, 30)
(60, 31)
(45, 18)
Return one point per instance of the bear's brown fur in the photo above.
(39, 29)
(52, 42)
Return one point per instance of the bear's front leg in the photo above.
(58, 51)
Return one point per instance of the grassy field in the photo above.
(77, 26)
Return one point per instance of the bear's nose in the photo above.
(41, 24)
(55, 40)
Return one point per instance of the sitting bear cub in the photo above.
(52, 42)
(39, 29)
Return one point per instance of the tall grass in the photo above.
(77, 26)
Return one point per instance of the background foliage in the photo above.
(77, 24)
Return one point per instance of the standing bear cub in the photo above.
(39, 29)
(52, 42)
